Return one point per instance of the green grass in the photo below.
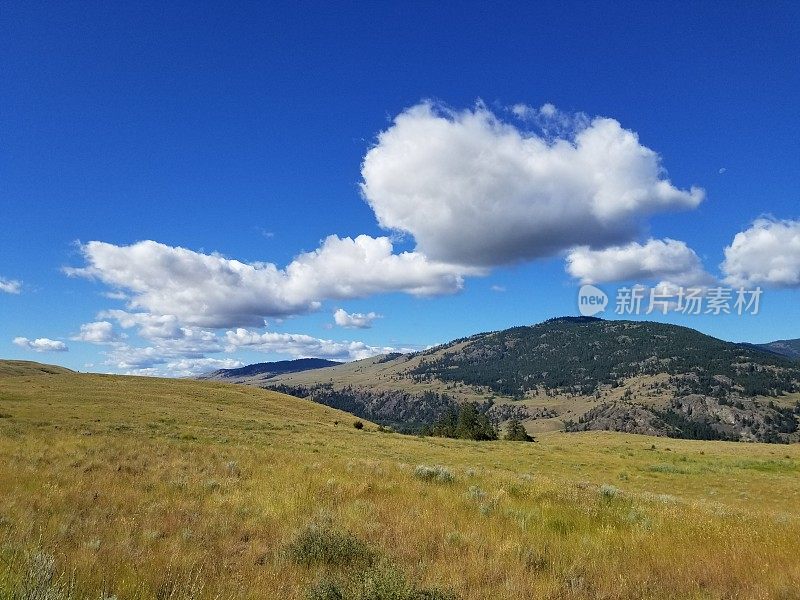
(151, 488)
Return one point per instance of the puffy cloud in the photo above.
(302, 346)
(97, 332)
(354, 320)
(768, 253)
(148, 361)
(186, 367)
(41, 344)
(474, 190)
(194, 346)
(10, 286)
(150, 326)
(667, 259)
(210, 290)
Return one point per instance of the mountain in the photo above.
(575, 373)
(789, 348)
(16, 368)
(253, 374)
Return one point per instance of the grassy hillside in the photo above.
(13, 368)
(143, 488)
(578, 373)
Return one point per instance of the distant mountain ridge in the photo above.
(789, 348)
(575, 373)
(267, 370)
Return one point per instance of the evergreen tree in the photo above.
(516, 432)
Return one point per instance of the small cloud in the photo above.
(41, 344)
(98, 332)
(722, 170)
(354, 320)
(498, 288)
(299, 345)
(116, 295)
(10, 286)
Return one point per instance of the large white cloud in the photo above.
(41, 344)
(475, 190)
(10, 286)
(210, 290)
(667, 259)
(768, 253)
(354, 320)
(301, 345)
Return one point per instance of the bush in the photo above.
(609, 491)
(325, 590)
(358, 425)
(323, 545)
(435, 473)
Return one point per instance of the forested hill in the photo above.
(580, 354)
(576, 373)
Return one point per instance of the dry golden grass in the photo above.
(149, 488)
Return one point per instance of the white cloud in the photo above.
(97, 332)
(302, 346)
(41, 344)
(354, 320)
(667, 259)
(142, 364)
(768, 253)
(150, 326)
(498, 288)
(210, 290)
(10, 286)
(186, 367)
(117, 295)
(165, 353)
(474, 190)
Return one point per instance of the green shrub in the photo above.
(325, 590)
(380, 582)
(323, 545)
(358, 425)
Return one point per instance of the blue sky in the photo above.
(250, 133)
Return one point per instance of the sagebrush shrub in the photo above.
(436, 473)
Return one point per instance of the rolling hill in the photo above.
(141, 488)
(254, 373)
(576, 373)
(788, 348)
(13, 368)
